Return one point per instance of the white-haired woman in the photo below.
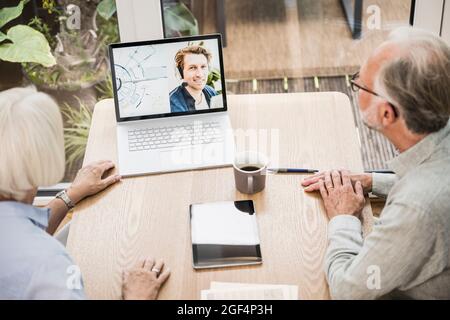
(33, 264)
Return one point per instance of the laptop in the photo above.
(171, 107)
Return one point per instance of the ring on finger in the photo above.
(156, 270)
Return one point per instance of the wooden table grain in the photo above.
(148, 215)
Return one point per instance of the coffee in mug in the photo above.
(250, 170)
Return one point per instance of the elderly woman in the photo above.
(33, 264)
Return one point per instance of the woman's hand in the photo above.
(144, 281)
(89, 180)
(311, 184)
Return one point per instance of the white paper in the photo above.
(244, 294)
(290, 292)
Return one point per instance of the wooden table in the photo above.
(148, 216)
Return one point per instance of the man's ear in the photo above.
(388, 114)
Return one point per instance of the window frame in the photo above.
(433, 16)
(143, 20)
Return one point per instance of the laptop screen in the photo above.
(168, 77)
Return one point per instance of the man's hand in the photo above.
(89, 180)
(311, 184)
(144, 280)
(339, 196)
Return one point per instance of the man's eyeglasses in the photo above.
(356, 87)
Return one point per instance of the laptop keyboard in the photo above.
(178, 136)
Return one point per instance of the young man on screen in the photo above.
(193, 94)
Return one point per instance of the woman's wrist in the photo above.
(74, 195)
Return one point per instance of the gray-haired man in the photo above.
(404, 93)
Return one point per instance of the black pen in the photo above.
(380, 171)
(297, 170)
(292, 170)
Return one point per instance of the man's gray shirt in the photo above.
(407, 254)
(33, 265)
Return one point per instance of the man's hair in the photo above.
(32, 142)
(179, 57)
(418, 81)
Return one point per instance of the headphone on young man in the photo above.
(180, 71)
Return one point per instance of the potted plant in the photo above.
(179, 20)
(80, 53)
(21, 43)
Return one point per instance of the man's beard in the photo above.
(369, 118)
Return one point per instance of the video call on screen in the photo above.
(148, 81)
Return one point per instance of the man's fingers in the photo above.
(313, 187)
(312, 179)
(164, 276)
(346, 181)
(328, 181)
(336, 176)
(323, 190)
(308, 181)
(359, 189)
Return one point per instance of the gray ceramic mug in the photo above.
(250, 170)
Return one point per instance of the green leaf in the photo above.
(106, 8)
(28, 45)
(3, 36)
(10, 13)
(178, 18)
(78, 120)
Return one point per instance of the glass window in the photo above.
(276, 46)
(68, 61)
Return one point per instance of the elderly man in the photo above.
(404, 93)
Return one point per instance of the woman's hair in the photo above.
(32, 142)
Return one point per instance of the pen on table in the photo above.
(299, 170)
(292, 170)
